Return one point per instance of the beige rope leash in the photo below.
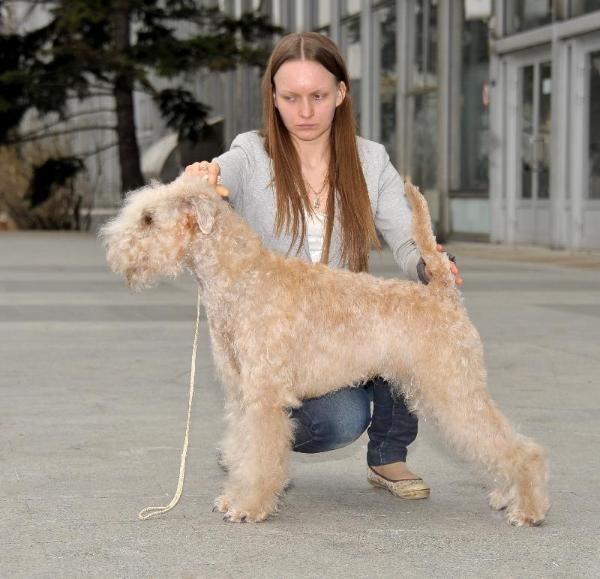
(151, 511)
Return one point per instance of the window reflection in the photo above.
(350, 7)
(424, 65)
(351, 48)
(544, 136)
(474, 112)
(527, 14)
(527, 128)
(424, 158)
(323, 14)
(388, 80)
(579, 7)
(422, 121)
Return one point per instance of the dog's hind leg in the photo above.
(455, 396)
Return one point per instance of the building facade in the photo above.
(492, 107)
(545, 123)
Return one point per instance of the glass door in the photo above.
(532, 120)
(536, 133)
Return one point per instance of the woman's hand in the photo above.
(458, 280)
(211, 171)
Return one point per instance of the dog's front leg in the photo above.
(259, 475)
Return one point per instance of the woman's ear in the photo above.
(274, 100)
(341, 93)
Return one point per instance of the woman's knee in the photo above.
(332, 421)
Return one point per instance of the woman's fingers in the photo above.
(213, 173)
(457, 277)
(441, 249)
(196, 168)
(458, 280)
(210, 171)
(453, 267)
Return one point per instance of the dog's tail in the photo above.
(437, 262)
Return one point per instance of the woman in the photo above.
(310, 187)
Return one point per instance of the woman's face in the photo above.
(306, 95)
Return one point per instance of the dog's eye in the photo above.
(147, 219)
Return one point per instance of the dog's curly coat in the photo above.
(284, 330)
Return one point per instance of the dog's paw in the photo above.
(519, 518)
(222, 504)
(235, 515)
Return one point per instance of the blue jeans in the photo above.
(339, 418)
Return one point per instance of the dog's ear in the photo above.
(203, 212)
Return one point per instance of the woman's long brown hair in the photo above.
(346, 182)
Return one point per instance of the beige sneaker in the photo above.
(414, 488)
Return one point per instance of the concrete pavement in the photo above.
(93, 399)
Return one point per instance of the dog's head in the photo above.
(151, 235)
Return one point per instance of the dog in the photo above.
(283, 330)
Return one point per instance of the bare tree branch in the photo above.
(47, 127)
(90, 95)
(64, 132)
(98, 150)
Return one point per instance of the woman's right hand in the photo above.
(211, 171)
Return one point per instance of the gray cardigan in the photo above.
(246, 172)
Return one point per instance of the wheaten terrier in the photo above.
(283, 330)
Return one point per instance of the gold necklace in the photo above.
(317, 195)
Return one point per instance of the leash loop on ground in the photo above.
(152, 511)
